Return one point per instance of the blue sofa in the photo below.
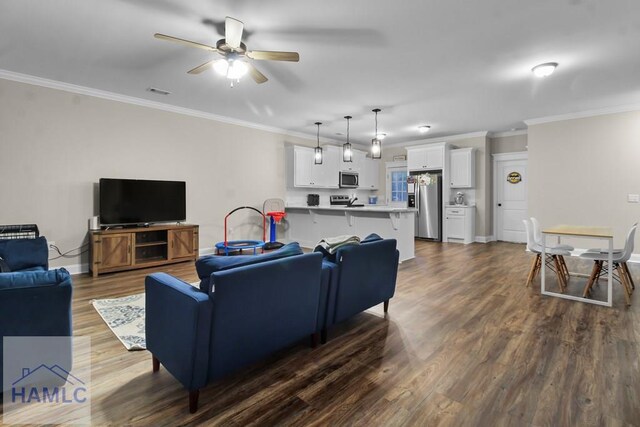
(361, 276)
(34, 301)
(249, 312)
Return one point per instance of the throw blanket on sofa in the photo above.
(332, 244)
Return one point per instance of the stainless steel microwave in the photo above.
(349, 180)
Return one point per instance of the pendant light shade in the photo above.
(376, 144)
(317, 159)
(347, 153)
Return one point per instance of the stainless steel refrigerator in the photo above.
(426, 195)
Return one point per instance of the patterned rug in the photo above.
(125, 317)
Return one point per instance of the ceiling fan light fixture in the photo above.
(317, 158)
(376, 143)
(233, 70)
(424, 128)
(347, 151)
(544, 70)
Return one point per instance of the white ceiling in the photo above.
(458, 65)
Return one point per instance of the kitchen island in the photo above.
(308, 224)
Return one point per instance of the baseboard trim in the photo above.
(484, 239)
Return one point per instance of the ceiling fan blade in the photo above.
(233, 32)
(200, 68)
(256, 75)
(273, 56)
(185, 42)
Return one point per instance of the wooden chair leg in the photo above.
(193, 400)
(622, 275)
(587, 287)
(559, 273)
(156, 363)
(565, 269)
(315, 339)
(538, 266)
(532, 270)
(323, 336)
(386, 306)
(626, 270)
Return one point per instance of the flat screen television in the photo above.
(137, 201)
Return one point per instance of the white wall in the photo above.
(581, 170)
(56, 145)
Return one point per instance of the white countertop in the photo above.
(365, 208)
(460, 206)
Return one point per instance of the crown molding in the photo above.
(439, 139)
(508, 133)
(112, 96)
(583, 114)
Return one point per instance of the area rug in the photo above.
(125, 317)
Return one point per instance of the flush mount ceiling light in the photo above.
(424, 128)
(376, 143)
(544, 70)
(317, 159)
(346, 147)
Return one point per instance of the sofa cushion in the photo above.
(32, 279)
(207, 265)
(21, 254)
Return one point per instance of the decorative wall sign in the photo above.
(514, 177)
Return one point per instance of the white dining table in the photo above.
(604, 233)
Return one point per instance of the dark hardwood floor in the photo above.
(464, 344)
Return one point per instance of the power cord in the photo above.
(68, 254)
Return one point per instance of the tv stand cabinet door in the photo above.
(181, 243)
(113, 250)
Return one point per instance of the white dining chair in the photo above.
(617, 251)
(554, 258)
(621, 272)
(537, 236)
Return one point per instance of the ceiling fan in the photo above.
(233, 64)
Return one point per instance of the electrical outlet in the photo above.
(633, 198)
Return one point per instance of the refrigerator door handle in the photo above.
(417, 201)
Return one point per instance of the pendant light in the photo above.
(376, 143)
(346, 147)
(317, 159)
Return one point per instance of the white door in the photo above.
(510, 196)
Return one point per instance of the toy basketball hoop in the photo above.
(277, 216)
(274, 209)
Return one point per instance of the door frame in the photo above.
(504, 157)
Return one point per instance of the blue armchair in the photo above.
(362, 276)
(35, 303)
(250, 312)
(25, 254)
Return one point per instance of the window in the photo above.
(397, 186)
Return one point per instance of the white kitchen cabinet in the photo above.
(425, 158)
(463, 168)
(370, 174)
(357, 161)
(307, 174)
(461, 222)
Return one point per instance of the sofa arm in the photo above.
(178, 325)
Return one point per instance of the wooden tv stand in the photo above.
(120, 249)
